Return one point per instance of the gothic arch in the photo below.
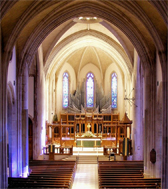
(112, 14)
(98, 9)
(43, 29)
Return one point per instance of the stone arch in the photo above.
(43, 29)
(94, 34)
(136, 42)
(162, 8)
(88, 8)
(138, 12)
(5, 6)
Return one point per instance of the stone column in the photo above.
(148, 132)
(3, 125)
(137, 126)
(163, 60)
(150, 106)
(12, 133)
(25, 144)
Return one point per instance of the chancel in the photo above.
(81, 81)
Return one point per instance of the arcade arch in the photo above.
(139, 30)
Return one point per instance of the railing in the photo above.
(58, 150)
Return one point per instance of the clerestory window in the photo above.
(90, 90)
(114, 90)
(65, 89)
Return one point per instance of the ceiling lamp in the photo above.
(87, 20)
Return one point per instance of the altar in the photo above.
(88, 142)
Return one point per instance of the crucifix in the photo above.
(88, 126)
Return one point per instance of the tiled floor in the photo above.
(86, 177)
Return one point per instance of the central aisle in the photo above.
(86, 177)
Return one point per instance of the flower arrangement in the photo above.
(55, 118)
(88, 134)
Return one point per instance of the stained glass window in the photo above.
(65, 89)
(90, 90)
(114, 90)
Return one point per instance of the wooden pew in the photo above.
(46, 174)
(124, 174)
(28, 182)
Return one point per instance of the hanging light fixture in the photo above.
(130, 100)
(87, 19)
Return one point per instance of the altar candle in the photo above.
(50, 132)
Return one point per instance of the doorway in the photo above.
(30, 139)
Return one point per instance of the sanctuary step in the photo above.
(87, 159)
(96, 151)
(84, 159)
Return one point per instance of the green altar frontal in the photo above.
(88, 142)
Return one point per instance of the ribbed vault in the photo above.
(107, 45)
(88, 50)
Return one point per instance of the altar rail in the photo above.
(125, 148)
(58, 150)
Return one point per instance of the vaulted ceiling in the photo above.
(101, 32)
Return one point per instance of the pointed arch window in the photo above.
(90, 90)
(114, 90)
(65, 89)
